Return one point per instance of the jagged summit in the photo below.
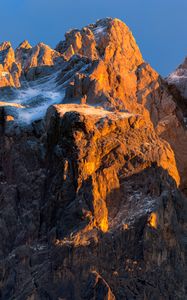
(25, 44)
(94, 39)
(179, 78)
(5, 45)
(99, 65)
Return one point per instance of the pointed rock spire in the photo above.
(5, 45)
(25, 45)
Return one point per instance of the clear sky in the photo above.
(159, 26)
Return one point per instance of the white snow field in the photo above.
(31, 102)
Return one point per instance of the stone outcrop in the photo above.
(93, 203)
(106, 145)
(115, 76)
(91, 195)
(9, 69)
(40, 55)
(25, 61)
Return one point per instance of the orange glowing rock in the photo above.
(3, 103)
(125, 226)
(153, 222)
(89, 167)
(122, 80)
(104, 225)
(9, 118)
(108, 138)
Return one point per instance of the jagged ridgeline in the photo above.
(93, 170)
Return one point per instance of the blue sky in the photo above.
(159, 26)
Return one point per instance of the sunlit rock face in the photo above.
(110, 79)
(93, 159)
(9, 69)
(107, 147)
(116, 76)
(25, 62)
(40, 55)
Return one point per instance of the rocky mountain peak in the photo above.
(42, 54)
(24, 45)
(5, 45)
(179, 78)
(100, 40)
(100, 65)
(184, 64)
(93, 164)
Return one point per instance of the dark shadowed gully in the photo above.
(93, 171)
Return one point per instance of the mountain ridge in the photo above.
(93, 164)
(115, 77)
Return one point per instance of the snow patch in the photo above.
(179, 79)
(31, 103)
(176, 76)
(99, 31)
(39, 247)
(36, 107)
(93, 111)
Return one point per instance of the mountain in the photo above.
(93, 164)
(179, 78)
(177, 81)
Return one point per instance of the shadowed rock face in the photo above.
(90, 206)
(179, 78)
(90, 209)
(178, 87)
